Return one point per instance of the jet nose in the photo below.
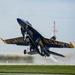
(18, 20)
(21, 23)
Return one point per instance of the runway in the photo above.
(21, 59)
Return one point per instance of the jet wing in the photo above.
(57, 44)
(17, 41)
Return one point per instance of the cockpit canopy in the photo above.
(28, 23)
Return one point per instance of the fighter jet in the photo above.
(38, 44)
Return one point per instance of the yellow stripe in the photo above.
(31, 40)
(22, 26)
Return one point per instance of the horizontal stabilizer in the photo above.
(54, 53)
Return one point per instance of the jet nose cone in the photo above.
(18, 20)
(21, 22)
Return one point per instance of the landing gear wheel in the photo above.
(42, 53)
(25, 52)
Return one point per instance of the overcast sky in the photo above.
(41, 14)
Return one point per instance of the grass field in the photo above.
(37, 69)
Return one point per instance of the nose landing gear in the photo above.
(25, 51)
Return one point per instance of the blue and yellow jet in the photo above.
(37, 43)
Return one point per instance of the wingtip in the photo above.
(3, 40)
(71, 45)
(62, 56)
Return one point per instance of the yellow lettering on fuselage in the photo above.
(41, 43)
(31, 32)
